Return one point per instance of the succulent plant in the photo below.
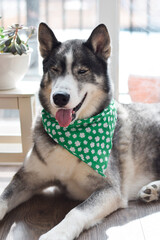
(10, 41)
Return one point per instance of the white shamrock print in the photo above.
(97, 138)
(108, 140)
(59, 133)
(45, 120)
(107, 146)
(99, 124)
(107, 133)
(77, 143)
(102, 145)
(100, 130)
(85, 142)
(53, 132)
(74, 135)
(57, 127)
(101, 160)
(103, 137)
(94, 131)
(90, 164)
(105, 125)
(91, 119)
(69, 142)
(90, 137)
(88, 129)
(73, 129)
(79, 149)
(67, 134)
(97, 166)
(82, 135)
(72, 149)
(62, 139)
(94, 125)
(49, 129)
(92, 144)
(93, 151)
(81, 156)
(86, 150)
(87, 157)
(99, 152)
(95, 158)
(48, 124)
(104, 152)
(53, 124)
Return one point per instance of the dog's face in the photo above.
(75, 83)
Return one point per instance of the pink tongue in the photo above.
(64, 117)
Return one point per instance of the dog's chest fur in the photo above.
(75, 176)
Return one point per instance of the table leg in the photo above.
(26, 112)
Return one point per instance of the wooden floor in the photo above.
(28, 221)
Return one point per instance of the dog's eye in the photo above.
(82, 71)
(55, 69)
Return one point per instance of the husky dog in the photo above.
(76, 85)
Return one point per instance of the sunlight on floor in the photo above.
(137, 230)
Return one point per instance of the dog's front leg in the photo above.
(23, 186)
(100, 204)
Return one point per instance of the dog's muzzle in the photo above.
(65, 116)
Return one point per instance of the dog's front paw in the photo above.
(54, 235)
(3, 209)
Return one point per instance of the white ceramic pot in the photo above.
(13, 68)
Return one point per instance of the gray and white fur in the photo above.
(75, 77)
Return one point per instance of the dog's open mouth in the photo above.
(66, 116)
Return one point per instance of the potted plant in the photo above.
(15, 55)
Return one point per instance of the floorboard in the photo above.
(28, 221)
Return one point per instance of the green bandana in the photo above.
(88, 139)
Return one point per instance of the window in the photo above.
(139, 78)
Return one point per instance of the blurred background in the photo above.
(135, 37)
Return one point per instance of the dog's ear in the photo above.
(99, 41)
(47, 40)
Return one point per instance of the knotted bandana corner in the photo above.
(88, 139)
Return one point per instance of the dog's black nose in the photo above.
(61, 99)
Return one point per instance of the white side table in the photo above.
(23, 99)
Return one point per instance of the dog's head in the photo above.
(75, 83)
